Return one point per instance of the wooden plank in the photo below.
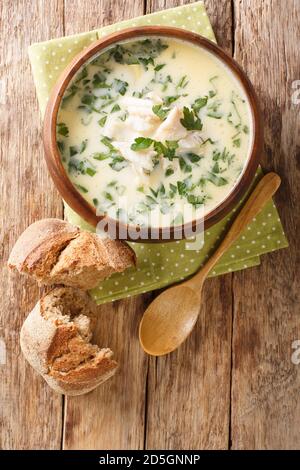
(30, 413)
(189, 390)
(219, 12)
(265, 394)
(111, 417)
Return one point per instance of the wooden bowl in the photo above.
(69, 192)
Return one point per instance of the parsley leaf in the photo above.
(181, 186)
(160, 111)
(99, 81)
(216, 180)
(120, 86)
(169, 171)
(107, 142)
(214, 115)
(199, 103)
(146, 61)
(62, 129)
(141, 143)
(170, 99)
(81, 188)
(195, 200)
(115, 108)
(71, 91)
(61, 146)
(213, 92)
(182, 82)
(216, 168)
(237, 143)
(158, 67)
(184, 166)
(190, 120)
(118, 163)
(168, 150)
(102, 121)
(85, 167)
(75, 149)
(100, 156)
(193, 157)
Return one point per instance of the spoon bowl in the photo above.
(162, 330)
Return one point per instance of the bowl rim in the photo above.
(73, 197)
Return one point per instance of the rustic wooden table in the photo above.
(233, 383)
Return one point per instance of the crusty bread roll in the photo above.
(55, 339)
(54, 252)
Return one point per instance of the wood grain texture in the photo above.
(219, 12)
(30, 414)
(111, 417)
(183, 409)
(182, 400)
(265, 383)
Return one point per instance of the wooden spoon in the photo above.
(171, 317)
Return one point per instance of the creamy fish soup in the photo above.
(154, 132)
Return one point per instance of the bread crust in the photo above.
(56, 336)
(53, 251)
(41, 239)
(56, 342)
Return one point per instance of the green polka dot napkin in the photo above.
(160, 264)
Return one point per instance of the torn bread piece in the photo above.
(56, 341)
(53, 251)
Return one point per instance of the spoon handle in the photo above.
(264, 190)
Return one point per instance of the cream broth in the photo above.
(154, 132)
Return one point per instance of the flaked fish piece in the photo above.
(140, 121)
(156, 99)
(142, 160)
(143, 125)
(139, 106)
(171, 128)
(191, 142)
(114, 128)
(134, 126)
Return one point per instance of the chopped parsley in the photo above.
(115, 108)
(236, 142)
(118, 163)
(195, 200)
(213, 92)
(76, 149)
(199, 103)
(160, 111)
(72, 90)
(141, 143)
(102, 121)
(190, 120)
(184, 165)
(158, 67)
(182, 82)
(120, 86)
(169, 171)
(216, 180)
(62, 129)
(82, 188)
(61, 146)
(170, 99)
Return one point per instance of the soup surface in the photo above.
(154, 132)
